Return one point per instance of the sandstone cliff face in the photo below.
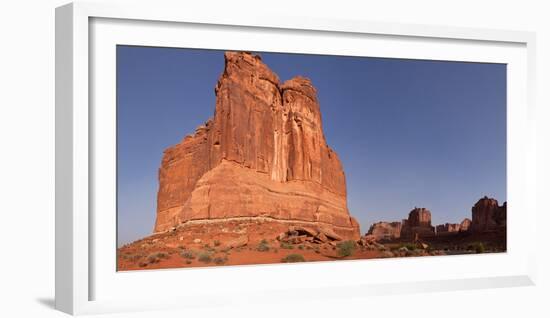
(418, 225)
(447, 228)
(262, 154)
(487, 215)
(385, 230)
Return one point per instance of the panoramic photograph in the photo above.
(239, 158)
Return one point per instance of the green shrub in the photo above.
(346, 248)
(205, 257)
(479, 248)
(152, 259)
(187, 254)
(219, 260)
(156, 257)
(162, 255)
(263, 246)
(409, 246)
(293, 258)
(132, 257)
(286, 246)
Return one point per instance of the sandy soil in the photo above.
(235, 243)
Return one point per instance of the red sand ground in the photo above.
(235, 243)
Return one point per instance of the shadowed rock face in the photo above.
(487, 215)
(262, 154)
(419, 224)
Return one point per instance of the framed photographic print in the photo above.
(279, 155)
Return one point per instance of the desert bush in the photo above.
(263, 246)
(479, 248)
(286, 246)
(152, 259)
(301, 247)
(220, 260)
(187, 254)
(217, 243)
(132, 257)
(346, 248)
(409, 246)
(156, 257)
(162, 255)
(293, 258)
(205, 257)
(188, 262)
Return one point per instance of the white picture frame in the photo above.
(84, 38)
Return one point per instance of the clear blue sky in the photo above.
(409, 132)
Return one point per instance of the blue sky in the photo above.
(409, 132)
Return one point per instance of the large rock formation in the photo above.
(487, 215)
(263, 154)
(418, 225)
(385, 230)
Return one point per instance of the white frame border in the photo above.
(72, 140)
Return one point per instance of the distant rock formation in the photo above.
(487, 215)
(385, 230)
(447, 228)
(418, 225)
(465, 225)
(263, 154)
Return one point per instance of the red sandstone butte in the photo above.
(385, 230)
(487, 215)
(419, 224)
(262, 155)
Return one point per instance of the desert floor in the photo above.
(262, 243)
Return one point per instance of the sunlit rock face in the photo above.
(447, 228)
(385, 230)
(263, 154)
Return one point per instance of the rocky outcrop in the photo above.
(465, 225)
(447, 228)
(385, 230)
(263, 154)
(487, 215)
(418, 225)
